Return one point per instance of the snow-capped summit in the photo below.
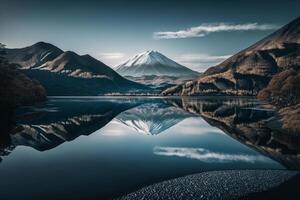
(153, 63)
(149, 58)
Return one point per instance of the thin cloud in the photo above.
(200, 62)
(111, 56)
(202, 58)
(205, 155)
(205, 29)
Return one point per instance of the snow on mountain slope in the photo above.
(34, 55)
(74, 65)
(153, 63)
(150, 58)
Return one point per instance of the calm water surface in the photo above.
(100, 148)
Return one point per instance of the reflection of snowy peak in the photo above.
(152, 119)
(153, 63)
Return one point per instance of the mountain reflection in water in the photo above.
(59, 120)
(249, 122)
(152, 119)
(120, 144)
(46, 126)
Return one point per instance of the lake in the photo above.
(104, 147)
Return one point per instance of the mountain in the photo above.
(283, 90)
(34, 55)
(160, 83)
(16, 88)
(153, 63)
(250, 70)
(67, 73)
(152, 119)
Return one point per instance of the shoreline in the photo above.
(225, 184)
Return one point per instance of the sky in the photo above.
(197, 34)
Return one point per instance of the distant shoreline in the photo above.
(156, 96)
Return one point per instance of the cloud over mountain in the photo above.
(200, 62)
(205, 29)
(112, 55)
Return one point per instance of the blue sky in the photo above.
(196, 34)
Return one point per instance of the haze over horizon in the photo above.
(194, 34)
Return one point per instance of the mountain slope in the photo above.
(74, 65)
(153, 63)
(34, 55)
(67, 73)
(16, 88)
(250, 70)
(283, 91)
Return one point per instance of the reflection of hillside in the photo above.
(245, 121)
(47, 136)
(47, 126)
(60, 121)
(152, 118)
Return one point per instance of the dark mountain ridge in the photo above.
(67, 73)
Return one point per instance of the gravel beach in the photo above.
(231, 184)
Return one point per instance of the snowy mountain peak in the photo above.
(151, 51)
(149, 58)
(152, 63)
